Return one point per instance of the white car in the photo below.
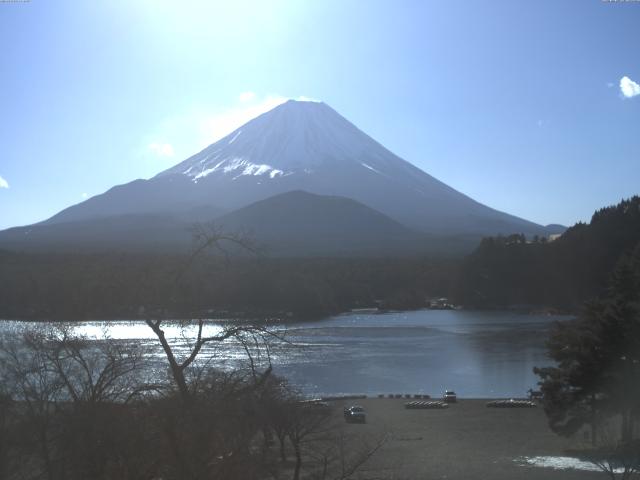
(355, 414)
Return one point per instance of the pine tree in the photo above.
(597, 372)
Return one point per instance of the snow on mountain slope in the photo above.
(303, 146)
(297, 138)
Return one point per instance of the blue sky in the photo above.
(529, 107)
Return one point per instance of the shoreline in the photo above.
(465, 440)
(273, 319)
(403, 397)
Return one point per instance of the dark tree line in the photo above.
(111, 286)
(502, 272)
(514, 271)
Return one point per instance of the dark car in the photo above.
(355, 414)
(450, 396)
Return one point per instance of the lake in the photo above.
(477, 354)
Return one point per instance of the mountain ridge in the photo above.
(303, 146)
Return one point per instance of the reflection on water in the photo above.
(478, 354)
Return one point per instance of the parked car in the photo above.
(535, 394)
(450, 396)
(355, 414)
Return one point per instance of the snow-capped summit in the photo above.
(308, 146)
(297, 137)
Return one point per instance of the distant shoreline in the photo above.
(274, 319)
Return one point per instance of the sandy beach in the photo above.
(465, 441)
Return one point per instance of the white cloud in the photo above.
(161, 149)
(3, 183)
(247, 96)
(628, 87)
(84, 195)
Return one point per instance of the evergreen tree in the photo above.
(597, 372)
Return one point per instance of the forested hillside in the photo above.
(104, 286)
(512, 271)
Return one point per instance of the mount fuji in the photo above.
(299, 146)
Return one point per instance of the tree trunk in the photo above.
(594, 421)
(296, 472)
(176, 450)
(176, 371)
(44, 450)
(627, 426)
(283, 454)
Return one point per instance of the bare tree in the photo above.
(341, 456)
(210, 428)
(91, 371)
(247, 336)
(306, 421)
(70, 392)
(207, 238)
(26, 373)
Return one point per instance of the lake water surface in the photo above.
(477, 354)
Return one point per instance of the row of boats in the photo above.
(437, 404)
(420, 405)
(511, 403)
